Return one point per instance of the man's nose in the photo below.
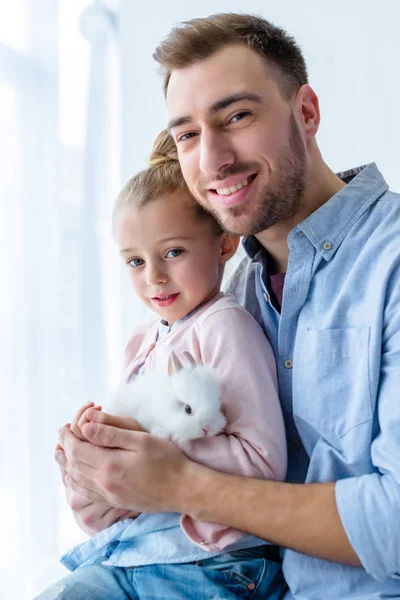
(216, 153)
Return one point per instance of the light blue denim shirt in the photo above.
(337, 347)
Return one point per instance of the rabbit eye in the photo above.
(188, 409)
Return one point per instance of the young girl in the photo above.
(175, 254)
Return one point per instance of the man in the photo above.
(244, 119)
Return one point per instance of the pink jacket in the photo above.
(223, 335)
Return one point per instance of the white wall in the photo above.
(353, 53)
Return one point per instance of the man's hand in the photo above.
(137, 471)
(122, 466)
(91, 517)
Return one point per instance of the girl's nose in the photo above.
(156, 277)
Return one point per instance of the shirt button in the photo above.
(266, 297)
(296, 444)
(251, 586)
(327, 245)
(288, 363)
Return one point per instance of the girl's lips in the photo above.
(165, 301)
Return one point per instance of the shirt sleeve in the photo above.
(254, 443)
(369, 506)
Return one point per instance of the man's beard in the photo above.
(281, 198)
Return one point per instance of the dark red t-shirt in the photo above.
(276, 283)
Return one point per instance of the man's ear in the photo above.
(228, 247)
(308, 107)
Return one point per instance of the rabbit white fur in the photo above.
(182, 406)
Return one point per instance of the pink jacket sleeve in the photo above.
(254, 444)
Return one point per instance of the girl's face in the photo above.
(174, 258)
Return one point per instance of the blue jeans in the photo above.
(245, 574)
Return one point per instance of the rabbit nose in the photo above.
(205, 431)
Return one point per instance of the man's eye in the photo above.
(239, 117)
(185, 136)
(136, 262)
(173, 253)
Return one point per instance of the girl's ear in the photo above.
(228, 246)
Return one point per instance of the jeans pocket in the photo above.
(246, 577)
(248, 572)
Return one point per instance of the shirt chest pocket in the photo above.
(331, 388)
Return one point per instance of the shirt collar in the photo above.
(164, 328)
(252, 247)
(327, 227)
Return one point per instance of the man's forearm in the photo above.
(302, 517)
(146, 473)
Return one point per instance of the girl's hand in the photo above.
(80, 418)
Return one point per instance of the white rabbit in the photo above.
(181, 406)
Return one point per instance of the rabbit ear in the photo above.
(174, 364)
(189, 358)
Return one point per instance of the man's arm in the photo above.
(137, 471)
(302, 517)
(369, 506)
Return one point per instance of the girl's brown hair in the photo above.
(162, 176)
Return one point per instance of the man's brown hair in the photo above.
(197, 39)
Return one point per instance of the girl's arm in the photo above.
(254, 444)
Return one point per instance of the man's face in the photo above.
(240, 148)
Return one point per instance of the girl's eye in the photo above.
(239, 117)
(173, 253)
(188, 409)
(136, 262)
